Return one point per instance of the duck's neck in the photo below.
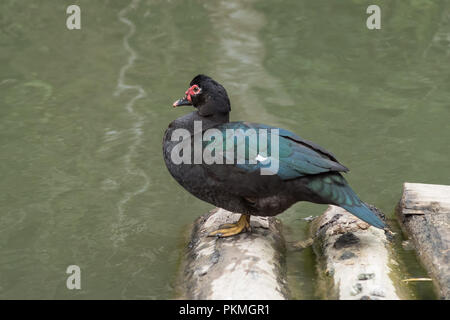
(212, 120)
(187, 121)
(218, 118)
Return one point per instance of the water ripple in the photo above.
(119, 229)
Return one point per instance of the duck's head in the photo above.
(207, 95)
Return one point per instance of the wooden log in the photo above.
(424, 214)
(250, 265)
(355, 259)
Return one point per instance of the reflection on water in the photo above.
(240, 60)
(131, 170)
(82, 115)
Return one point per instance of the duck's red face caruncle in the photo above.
(188, 95)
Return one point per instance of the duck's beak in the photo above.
(185, 101)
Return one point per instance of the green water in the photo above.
(83, 112)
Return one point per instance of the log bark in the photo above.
(246, 266)
(424, 214)
(355, 260)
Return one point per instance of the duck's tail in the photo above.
(334, 189)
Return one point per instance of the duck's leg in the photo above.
(231, 229)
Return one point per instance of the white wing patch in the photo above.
(260, 158)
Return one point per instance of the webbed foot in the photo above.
(231, 229)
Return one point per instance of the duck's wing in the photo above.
(296, 157)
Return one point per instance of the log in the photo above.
(248, 266)
(355, 260)
(424, 215)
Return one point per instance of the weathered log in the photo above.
(424, 214)
(246, 266)
(355, 259)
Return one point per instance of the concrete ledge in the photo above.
(246, 266)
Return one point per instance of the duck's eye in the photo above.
(196, 89)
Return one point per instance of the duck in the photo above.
(265, 178)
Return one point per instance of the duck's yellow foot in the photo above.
(231, 229)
